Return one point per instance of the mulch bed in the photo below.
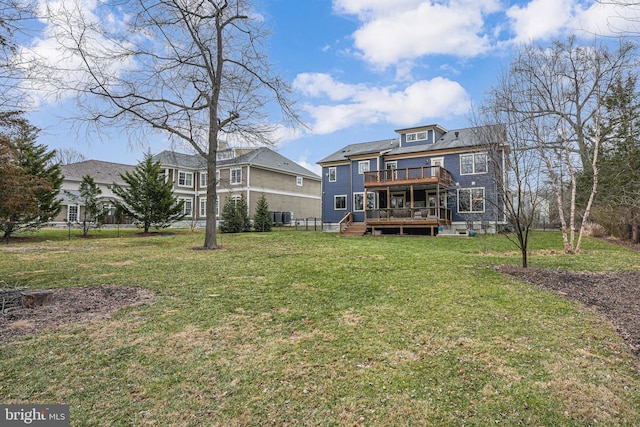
(70, 305)
(615, 295)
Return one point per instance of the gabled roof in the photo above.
(101, 172)
(374, 147)
(261, 157)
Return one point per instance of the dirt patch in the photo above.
(70, 305)
(615, 295)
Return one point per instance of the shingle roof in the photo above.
(101, 172)
(269, 159)
(172, 158)
(262, 157)
(351, 150)
(458, 138)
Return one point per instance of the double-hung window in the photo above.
(236, 176)
(203, 179)
(72, 213)
(299, 181)
(185, 179)
(332, 174)
(187, 207)
(363, 166)
(203, 207)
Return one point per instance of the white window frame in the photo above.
(187, 208)
(77, 213)
(417, 136)
(364, 166)
(203, 207)
(471, 204)
(473, 163)
(203, 180)
(333, 174)
(217, 177)
(235, 176)
(217, 206)
(184, 177)
(335, 202)
(358, 206)
(299, 181)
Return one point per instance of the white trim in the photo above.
(231, 180)
(335, 174)
(335, 197)
(473, 163)
(470, 189)
(186, 173)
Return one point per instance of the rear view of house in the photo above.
(426, 181)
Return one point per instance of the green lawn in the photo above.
(303, 328)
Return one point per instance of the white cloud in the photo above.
(420, 101)
(54, 69)
(608, 19)
(409, 29)
(546, 19)
(539, 19)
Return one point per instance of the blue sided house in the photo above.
(427, 181)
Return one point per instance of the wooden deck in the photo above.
(435, 175)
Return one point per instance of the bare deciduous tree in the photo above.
(516, 166)
(554, 95)
(195, 70)
(65, 156)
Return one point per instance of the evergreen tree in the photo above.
(34, 180)
(148, 198)
(94, 211)
(618, 207)
(234, 216)
(243, 214)
(262, 220)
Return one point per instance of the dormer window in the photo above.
(416, 136)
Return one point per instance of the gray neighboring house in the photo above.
(292, 191)
(104, 174)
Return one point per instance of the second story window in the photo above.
(185, 179)
(473, 163)
(236, 176)
(203, 179)
(363, 166)
(332, 174)
(299, 181)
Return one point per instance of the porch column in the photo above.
(411, 195)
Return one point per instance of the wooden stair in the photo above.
(355, 229)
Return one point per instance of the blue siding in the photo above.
(349, 181)
(342, 185)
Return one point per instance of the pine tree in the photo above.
(94, 211)
(234, 216)
(243, 214)
(262, 220)
(618, 207)
(148, 198)
(32, 199)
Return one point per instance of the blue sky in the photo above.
(363, 68)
